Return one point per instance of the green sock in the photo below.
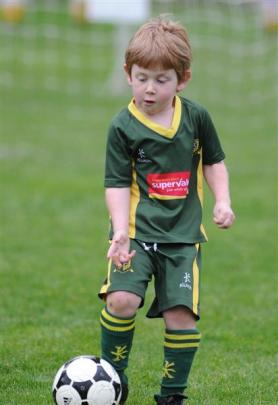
(180, 347)
(116, 340)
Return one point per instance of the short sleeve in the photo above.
(211, 146)
(118, 163)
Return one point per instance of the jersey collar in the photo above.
(167, 132)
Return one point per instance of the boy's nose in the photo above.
(150, 88)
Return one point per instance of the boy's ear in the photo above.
(185, 79)
(128, 78)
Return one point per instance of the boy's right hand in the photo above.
(119, 249)
(223, 215)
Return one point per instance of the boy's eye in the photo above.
(162, 79)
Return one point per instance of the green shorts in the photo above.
(176, 271)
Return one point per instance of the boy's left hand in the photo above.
(119, 249)
(223, 215)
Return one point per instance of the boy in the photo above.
(158, 150)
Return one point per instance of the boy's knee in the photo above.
(123, 303)
(179, 317)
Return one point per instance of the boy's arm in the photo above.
(118, 203)
(217, 177)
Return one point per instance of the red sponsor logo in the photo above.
(168, 185)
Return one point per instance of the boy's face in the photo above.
(154, 89)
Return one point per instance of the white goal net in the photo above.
(47, 55)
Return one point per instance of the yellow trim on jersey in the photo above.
(200, 189)
(105, 287)
(182, 337)
(134, 201)
(116, 320)
(195, 283)
(167, 132)
(166, 197)
(117, 328)
(181, 345)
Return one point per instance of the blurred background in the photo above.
(59, 57)
(61, 82)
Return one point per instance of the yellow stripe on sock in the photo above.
(115, 320)
(117, 328)
(182, 337)
(181, 345)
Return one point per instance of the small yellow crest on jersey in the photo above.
(196, 146)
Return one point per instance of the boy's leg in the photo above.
(116, 341)
(181, 342)
(117, 329)
(177, 299)
(124, 291)
(180, 347)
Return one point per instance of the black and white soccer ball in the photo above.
(86, 380)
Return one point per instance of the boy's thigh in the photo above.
(133, 277)
(177, 281)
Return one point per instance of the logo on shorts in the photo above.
(126, 267)
(186, 281)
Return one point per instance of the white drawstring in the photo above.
(149, 247)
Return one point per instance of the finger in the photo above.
(132, 254)
(218, 220)
(116, 260)
(226, 223)
(112, 251)
(114, 257)
(126, 257)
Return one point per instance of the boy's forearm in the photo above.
(118, 203)
(217, 178)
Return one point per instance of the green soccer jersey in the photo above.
(163, 168)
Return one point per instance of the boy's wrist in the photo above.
(121, 230)
(224, 200)
(120, 234)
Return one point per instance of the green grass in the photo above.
(54, 229)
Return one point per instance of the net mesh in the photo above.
(48, 57)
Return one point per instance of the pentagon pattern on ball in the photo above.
(86, 380)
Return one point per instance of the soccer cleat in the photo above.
(176, 399)
(124, 394)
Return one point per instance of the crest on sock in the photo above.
(119, 353)
(168, 369)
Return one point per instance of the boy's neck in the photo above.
(163, 118)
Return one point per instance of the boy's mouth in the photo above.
(149, 102)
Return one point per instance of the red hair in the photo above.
(160, 42)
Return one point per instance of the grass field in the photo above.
(54, 222)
